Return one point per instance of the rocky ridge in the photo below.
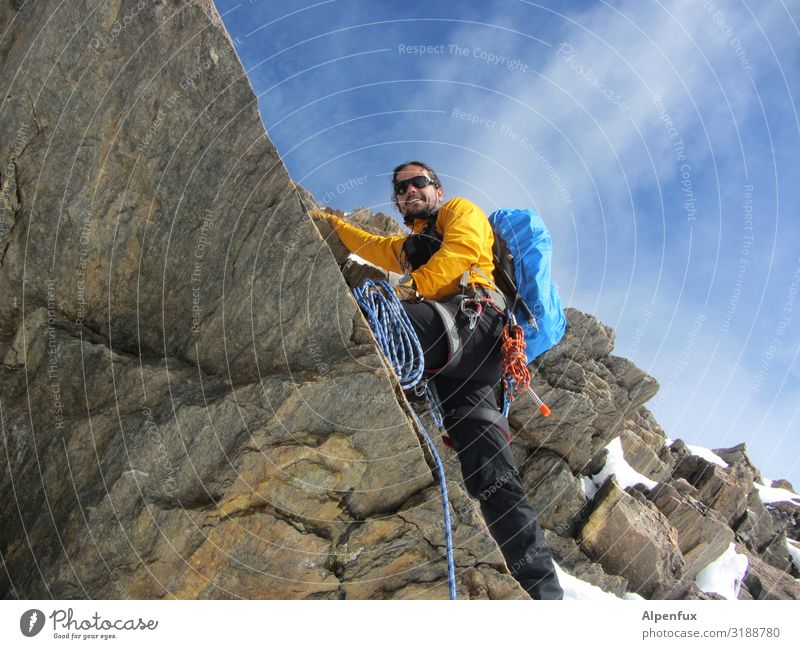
(189, 395)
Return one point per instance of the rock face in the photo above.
(193, 406)
(189, 393)
(556, 494)
(150, 188)
(631, 538)
(702, 534)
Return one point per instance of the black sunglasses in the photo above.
(401, 186)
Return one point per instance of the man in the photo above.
(459, 321)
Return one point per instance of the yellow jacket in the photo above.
(467, 240)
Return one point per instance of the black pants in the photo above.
(487, 464)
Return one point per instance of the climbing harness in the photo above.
(400, 344)
(516, 377)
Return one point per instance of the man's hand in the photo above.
(327, 217)
(405, 292)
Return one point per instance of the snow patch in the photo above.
(577, 589)
(707, 455)
(616, 465)
(775, 495)
(589, 487)
(633, 596)
(794, 551)
(724, 575)
(702, 452)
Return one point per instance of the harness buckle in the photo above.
(473, 309)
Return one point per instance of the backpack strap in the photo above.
(453, 338)
(477, 269)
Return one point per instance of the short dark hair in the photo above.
(436, 182)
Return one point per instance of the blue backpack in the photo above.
(523, 253)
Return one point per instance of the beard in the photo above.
(419, 210)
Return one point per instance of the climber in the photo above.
(458, 317)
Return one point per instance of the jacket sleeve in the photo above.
(378, 250)
(466, 241)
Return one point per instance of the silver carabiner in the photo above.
(472, 313)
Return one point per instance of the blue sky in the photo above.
(658, 140)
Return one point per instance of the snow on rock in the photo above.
(633, 597)
(794, 551)
(724, 575)
(773, 495)
(589, 487)
(577, 589)
(616, 465)
(707, 455)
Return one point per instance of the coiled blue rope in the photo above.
(399, 341)
(393, 330)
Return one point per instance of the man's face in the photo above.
(417, 203)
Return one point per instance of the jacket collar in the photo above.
(420, 222)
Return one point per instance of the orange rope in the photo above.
(515, 364)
